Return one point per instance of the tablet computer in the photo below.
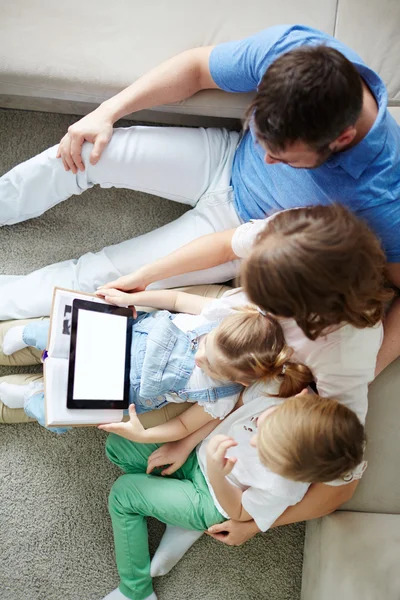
(99, 360)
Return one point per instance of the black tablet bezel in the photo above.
(78, 305)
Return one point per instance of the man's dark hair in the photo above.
(309, 94)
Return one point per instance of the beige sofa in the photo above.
(69, 57)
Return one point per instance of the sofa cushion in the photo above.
(352, 556)
(87, 51)
(76, 55)
(372, 30)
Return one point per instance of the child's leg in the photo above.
(14, 395)
(175, 542)
(27, 356)
(34, 334)
(17, 384)
(182, 500)
(34, 406)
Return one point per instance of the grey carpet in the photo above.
(55, 533)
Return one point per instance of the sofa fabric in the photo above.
(352, 556)
(71, 57)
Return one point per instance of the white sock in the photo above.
(13, 340)
(13, 395)
(175, 542)
(118, 595)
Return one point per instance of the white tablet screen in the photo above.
(100, 356)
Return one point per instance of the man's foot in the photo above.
(13, 340)
(118, 595)
(175, 542)
(13, 395)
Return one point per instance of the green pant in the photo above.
(182, 499)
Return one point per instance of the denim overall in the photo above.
(162, 361)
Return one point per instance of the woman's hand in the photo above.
(233, 533)
(97, 128)
(135, 282)
(114, 296)
(217, 464)
(131, 430)
(173, 454)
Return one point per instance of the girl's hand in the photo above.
(117, 298)
(135, 282)
(173, 454)
(217, 463)
(132, 430)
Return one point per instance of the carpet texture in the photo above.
(55, 532)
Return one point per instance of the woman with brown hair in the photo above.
(321, 271)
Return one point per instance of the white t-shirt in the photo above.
(266, 495)
(199, 379)
(245, 236)
(342, 362)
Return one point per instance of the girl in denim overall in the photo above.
(182, 357)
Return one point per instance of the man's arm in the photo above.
(174, 80)
(390, 348)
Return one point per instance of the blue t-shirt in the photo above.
(366, 178)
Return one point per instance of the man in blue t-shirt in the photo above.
(318, 131)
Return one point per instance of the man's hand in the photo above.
(132, 430)
(217, 464)
(97, 128)
(233, 533)
(173, 454)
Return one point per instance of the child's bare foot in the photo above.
(13, 340)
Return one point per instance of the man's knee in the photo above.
(87, 148)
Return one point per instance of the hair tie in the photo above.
(261, 311)
(284, 367)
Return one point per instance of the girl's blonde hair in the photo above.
(311, 439)
(252, 347)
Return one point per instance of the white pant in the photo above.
(192, 166)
